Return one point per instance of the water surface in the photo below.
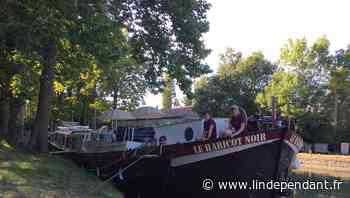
(305, 175)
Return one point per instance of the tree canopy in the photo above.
(71, 60)
(310, 84)
(65, 59)
(238, 81)
(287, 88)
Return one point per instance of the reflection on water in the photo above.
(343, 192)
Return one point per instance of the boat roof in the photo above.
(73, 129)
(149, 116)
(150, 113)
(184, 112)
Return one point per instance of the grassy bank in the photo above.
(25, 175)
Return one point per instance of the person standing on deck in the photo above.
(236, 124)
(209, 127)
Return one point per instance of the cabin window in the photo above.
(188, 133)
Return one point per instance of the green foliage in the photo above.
(311, 63)
(339, 86)
(187, 101)
(238, 81)
(110, 53)
(124, 81)
(210, 95)
(167, 36)
(339, 81)
(311, 84)
(105, 49)
(326, 94)
(286, 88)
(294, 54)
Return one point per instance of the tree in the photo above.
(211, 94)
(167, 37)
(22, 87)
(287, 88)
(124, 80)
(128, 87)
(311, 64)
(17, 79)
(161, 37)
(338, 97)
(238, 81)
(339, 86)
(325, 79)
(187, 101)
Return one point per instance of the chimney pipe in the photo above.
(274, 111)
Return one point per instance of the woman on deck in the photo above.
(236, 123)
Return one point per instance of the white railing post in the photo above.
(124, 134)
(132, 134)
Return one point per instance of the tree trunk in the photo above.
(10, 69)
(15, 123)
(4, 117)
(84, 112)
(39, 136)
(115, 98)
(4, 104)
(335, 113)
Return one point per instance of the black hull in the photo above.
(179, 170)
(245, 166)
(156, 178)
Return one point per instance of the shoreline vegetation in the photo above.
(26, 175)
(324, 163)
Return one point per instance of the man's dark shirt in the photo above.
(236, 121)
(207, 125)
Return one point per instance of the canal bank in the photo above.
(26, 175)
(324, 162)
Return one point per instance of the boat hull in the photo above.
(258, 163)
(179, 170)
(188, 175)
(93, 161)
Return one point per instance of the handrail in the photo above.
(132, 134)
(124, 135)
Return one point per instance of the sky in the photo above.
(265, 25)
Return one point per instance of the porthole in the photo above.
(188, 134)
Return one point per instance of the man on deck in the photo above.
(209, 127)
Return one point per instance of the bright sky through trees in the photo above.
(256, 25)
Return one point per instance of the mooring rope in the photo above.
(120, 171)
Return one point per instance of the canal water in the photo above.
(332, 180)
